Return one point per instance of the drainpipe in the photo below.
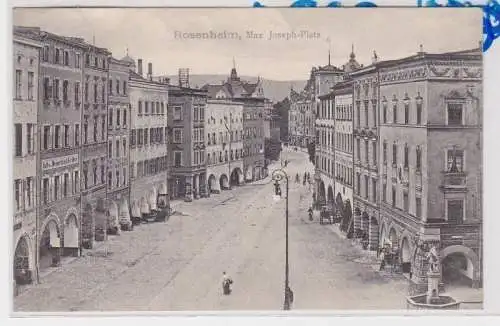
(37, 177)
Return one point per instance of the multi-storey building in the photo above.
(224, 127)
(325, 78)
(59, 121)
(118, 163)
(148, 142)
(252, 97)
(302, 116)
(430, 136)
(186, 115)
(26, 59)
(366, 173)
(343, 139)
(94, 145)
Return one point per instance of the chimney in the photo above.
(150, 71)
(139, 67)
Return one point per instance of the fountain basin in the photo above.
(440, 302)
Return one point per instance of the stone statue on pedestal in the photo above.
(432, 258)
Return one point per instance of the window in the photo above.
(455, 161)
(405, 201)
(110, 179)
(29, 191)
(162, 111)
(30, 138)
(77, 60)
(95, 129)
(96, 62)
(57, 56)
(419, 113)
(65, 91)
(110, 149)
(117, 178)
(366, 151)
(124, 176)
(393, 196)
(394, 154)
(366, 114)
(419, 158)
(177, 159)
(86, 91)
(195, 113)
(366, 186)
(374, 153)
(177, 113)
(45, 55)
(124, 117)
(47, 91)
(103, 170)
(406, 159)
(77, 135)
(407, 113)
(66, 136)
(395, 113)
(17, 193)
(384, 192)
(374, 190)
(66, 58)
(124, 88)
(132, 137)
(65, 185)
(124, 142)
(177, 136)
(418, 206)
(146, 134)
(95, 92)
(77, 92)
(76, 182)
(139, 106)
(117, 117)
(87, 59)
(110, 88)
(31, 77)
(56, 89)
(117, 148)
(385, 152)
(56, 187)
(110, 117)
(455, 114)
(46, 137)
(57, 136)
(117, 87)
(19, 139)
(455, 211)
(146, 108)
(103, 98)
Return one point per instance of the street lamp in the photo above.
(279, 175)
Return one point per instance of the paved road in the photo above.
(178, 265)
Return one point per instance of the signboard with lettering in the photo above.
(59, 162)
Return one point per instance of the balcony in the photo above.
(454, 181)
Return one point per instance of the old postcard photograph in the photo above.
(202, 159)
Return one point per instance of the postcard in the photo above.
(203, 159)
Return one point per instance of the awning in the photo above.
(136, 212)
(144, 207)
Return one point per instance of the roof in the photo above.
(234, 87)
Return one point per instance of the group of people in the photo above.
(306, 179)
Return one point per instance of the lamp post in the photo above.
(280, 175)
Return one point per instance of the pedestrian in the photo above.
(226, 283)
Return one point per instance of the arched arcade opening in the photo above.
(236, 177)
(223, 182)
(213, 185)
(50, 245)
(23, 273)
(71, 236)
(460, 267)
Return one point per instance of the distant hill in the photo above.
(275, 90)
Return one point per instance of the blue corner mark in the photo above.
(365, 4)
(257, 4)
(304, 4)
(334, 4)
(491, 23)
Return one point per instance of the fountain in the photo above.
(432, 299)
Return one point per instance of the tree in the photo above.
(311, 149)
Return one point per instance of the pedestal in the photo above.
(433, 284)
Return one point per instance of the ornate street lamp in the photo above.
(279, 175)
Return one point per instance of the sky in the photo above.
(158, 35)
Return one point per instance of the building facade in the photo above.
(430, 134)
(59, 121)
(187, 111)
(251, 95)
(118, 162)
(148, 141)
(94, 148)
(26, 60)
(224, 144)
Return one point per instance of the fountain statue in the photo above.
(432, 299)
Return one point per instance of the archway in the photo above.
(213, 185)
(383, 236)
(136, 212)
(22, 261)
(50, 244)
(374, 242)
(321, 194)
(460, 266)
(71, 236)
(405, 255)
(144, 207)
(236, 176)
(223, 182)
(330, 198)
(393, 238)
(347, 220)
(113, 218)
(365, 221)
(124, 214)
(152, 200)
(257, 173)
